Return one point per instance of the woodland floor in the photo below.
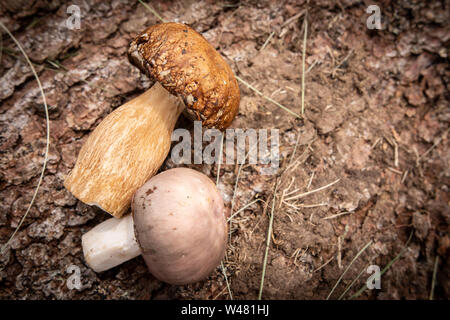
(376, 117)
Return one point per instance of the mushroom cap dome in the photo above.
(180, 224)
(188, 66)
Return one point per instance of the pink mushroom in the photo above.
(178, 224)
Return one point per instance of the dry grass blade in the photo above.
(219, 294)
(269, 233)
(237, 182)
(342, 62)
(219, 162)
(433, 280)
(395, 171)
(311, 66)
(348, 267)
(267, 41)
(310, 180)
(336, 215)
(152, 11)
(293, 18)
(303, 63)
(323, 265)
(404, 176)
(248, 85)
(360, 291)
(224, 271)
(312, 191)
(235, 189)
(339, 255)
(1, 46)
(295, 149)
(353, 282)
(243, 208)
(313, 205)
(442, 137)
(44, 165)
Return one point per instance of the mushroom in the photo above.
(177, 224)
(131, 143)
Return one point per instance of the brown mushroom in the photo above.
(179, 228)
(131, 143)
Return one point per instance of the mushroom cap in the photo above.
(180, 225)
(188, 66)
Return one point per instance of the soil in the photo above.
(376, 121)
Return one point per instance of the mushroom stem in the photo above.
(110, 243)
(125, 150)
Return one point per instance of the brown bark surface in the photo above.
(376, 117)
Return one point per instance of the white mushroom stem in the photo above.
(110, 243)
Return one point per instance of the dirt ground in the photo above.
(376, 121)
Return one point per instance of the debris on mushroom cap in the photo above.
(188, 66)
(180, 225)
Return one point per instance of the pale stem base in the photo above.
(110, 243)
